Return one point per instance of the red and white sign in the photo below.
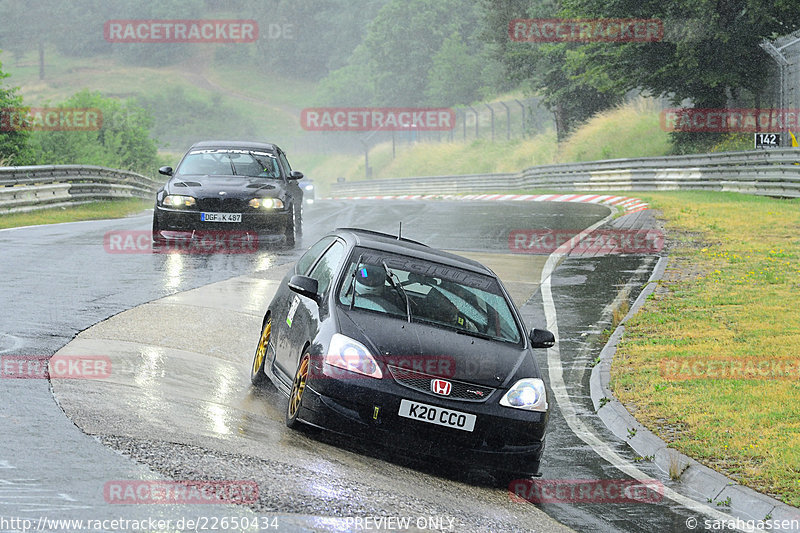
(377, 119)
(585, 30)
(180, 31)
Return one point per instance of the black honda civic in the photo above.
(230, 186)
(385, 338)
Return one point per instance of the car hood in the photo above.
(233, 186)
(438, 351)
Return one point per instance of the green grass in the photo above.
(730, 292)
(628, 131)
(268, 103)
(92, 211)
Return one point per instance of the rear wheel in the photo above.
(257, 376)
(298, 387)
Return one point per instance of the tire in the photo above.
(157, 238)
(257, 376)
(296, 395)
(291, 227)
(299, 223)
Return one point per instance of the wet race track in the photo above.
(180, 330)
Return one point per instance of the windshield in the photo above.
(438, 294)
(230, 163)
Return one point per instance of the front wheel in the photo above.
(157, 238)
(291, 229)
(298, 387)
(257, 376)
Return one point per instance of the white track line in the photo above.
(559, 388)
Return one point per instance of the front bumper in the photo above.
(253, 221)
(505, 439)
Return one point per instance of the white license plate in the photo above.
(437, 415)
(221, 217)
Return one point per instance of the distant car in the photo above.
(230, 186)
(309, 192)
(380, 337)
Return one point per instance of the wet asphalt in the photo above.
(59, 280)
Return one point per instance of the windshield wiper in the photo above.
(398, 288)
(260, 162)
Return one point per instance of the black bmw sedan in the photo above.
(231, 186)
(384, 338)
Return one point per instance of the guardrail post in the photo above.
(523, 116)
(491, 110)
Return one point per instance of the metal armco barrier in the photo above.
(765, 172)
(41, 187)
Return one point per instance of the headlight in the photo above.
(348, 354)
(175, 200)
(308, 187)
(528, 394)
(266, 203)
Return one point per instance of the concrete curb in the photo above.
(700, 481)
(626, 203)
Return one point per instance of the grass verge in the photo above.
(92, 211)
(730, 296)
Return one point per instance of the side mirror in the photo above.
(305, 286)
(167, 171)
(296, 175)
(541, 338)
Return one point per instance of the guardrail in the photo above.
(765, 172)
(40, 187)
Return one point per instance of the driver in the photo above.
(371, 288)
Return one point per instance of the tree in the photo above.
(542, 68)
(122, 141)
(14, 147)
(455, 76)
(710, 50)
(403, 39)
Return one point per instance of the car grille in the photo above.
(462, 391)
(221, 205)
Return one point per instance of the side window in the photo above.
(310, 257)
(328, 265)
